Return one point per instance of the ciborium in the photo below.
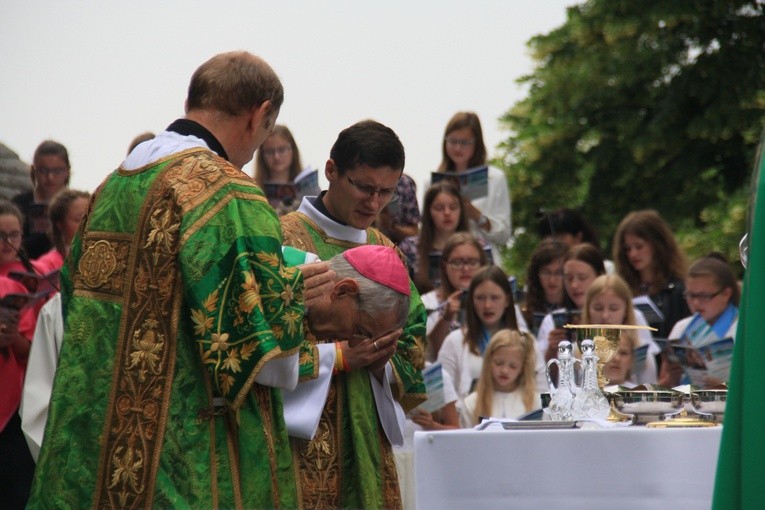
(606, 339)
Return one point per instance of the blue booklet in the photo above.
(473, 183)
(433, 377)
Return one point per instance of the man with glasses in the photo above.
(363, 169)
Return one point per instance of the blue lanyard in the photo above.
(484, 343)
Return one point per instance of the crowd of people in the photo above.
(176, 340)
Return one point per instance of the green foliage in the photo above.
(636, 105)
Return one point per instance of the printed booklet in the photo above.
(473, 183)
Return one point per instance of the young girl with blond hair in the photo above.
(608, 300)
(507, 385)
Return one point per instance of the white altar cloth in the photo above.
(622, 468)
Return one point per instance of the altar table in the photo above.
(621, 468)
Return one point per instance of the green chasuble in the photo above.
(175, 297)
(349, 463)
(738, 484)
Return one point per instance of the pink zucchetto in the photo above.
(380, 264)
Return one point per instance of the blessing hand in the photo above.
(318, 279)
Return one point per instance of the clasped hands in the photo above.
(370, 353)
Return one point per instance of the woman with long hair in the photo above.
(443, 215)
(460, 259)
(544, 282)
(649, 259)
(489, 307)
(277, 161)
(463, 148)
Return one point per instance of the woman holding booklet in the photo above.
(712, 293)
(463, 150)
(278, 162)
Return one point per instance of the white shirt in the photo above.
(464, 366)
(503, 405)
(41, 368)
(432, 306)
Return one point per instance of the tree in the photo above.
(636, 105)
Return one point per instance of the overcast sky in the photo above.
(93, 74)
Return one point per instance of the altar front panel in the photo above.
(621, 468)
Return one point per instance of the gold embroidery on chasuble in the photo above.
(316, 461)
(391, 490)
(296, 234)
(265, 404)
(101, 270)
(136, 414)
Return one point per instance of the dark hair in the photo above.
(566, 221)
(590, 255)
(57, 211)
(427, 230)
(455, 240)
(474, 327)
(367, 143)
(233, 83)
(668, 260)
(262, 172)
(546, 252)
(716, 266)
(462, 120)
(50, 148)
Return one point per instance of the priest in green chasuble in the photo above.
(182, 321)
(346, 461)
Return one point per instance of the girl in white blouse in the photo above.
(489, 307)
(507, 386)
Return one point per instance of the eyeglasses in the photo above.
(51, 171)
(385, 194)
(701, 297)
(464, 263)
(459, 142)
(284, 149)
(550, 274)
(12, 237)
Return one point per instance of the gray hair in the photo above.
(374, 298)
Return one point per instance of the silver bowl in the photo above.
(709, 402)
(648, 405)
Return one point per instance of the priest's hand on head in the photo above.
(317, 279)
